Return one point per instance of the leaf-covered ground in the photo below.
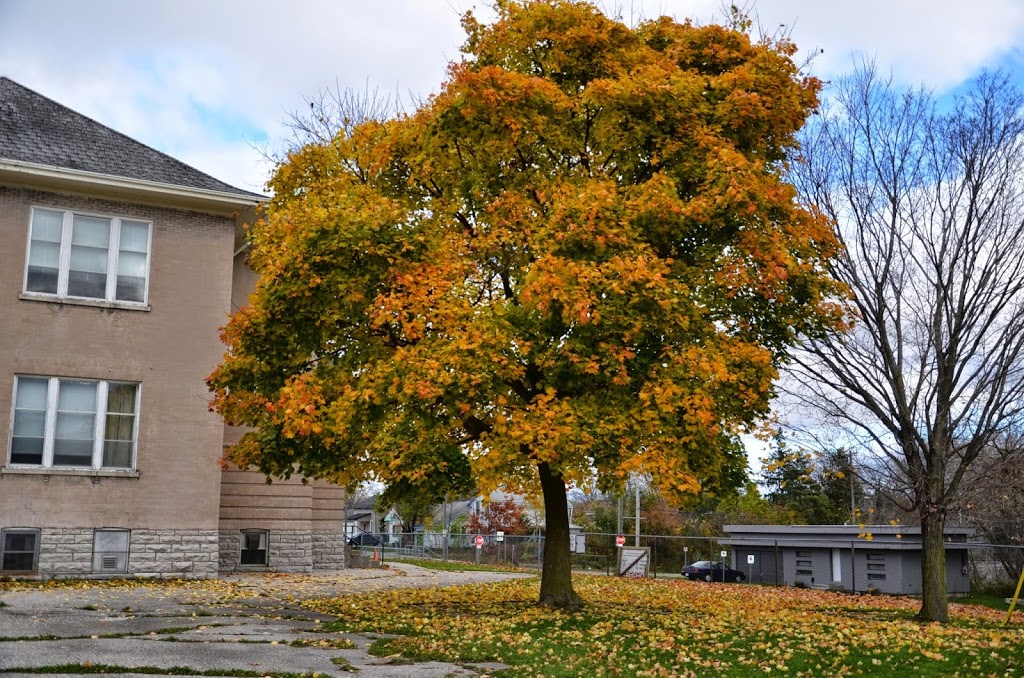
(681, 628)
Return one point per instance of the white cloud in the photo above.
(938, 43)
(198, 79)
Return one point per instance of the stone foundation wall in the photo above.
(328, 550)
(193, 554)
(68, 552)
(230, 543)
(290, 551)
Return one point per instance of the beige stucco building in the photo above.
(118, 264)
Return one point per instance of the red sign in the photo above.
(620, 540)
(479, 540)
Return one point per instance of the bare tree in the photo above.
(929, 205)
(992, 500)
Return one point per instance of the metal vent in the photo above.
(109, 562)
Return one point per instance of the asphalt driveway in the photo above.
(213, 628)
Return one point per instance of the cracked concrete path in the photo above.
(248, 622)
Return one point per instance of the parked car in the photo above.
(712, 570)
(364, 539)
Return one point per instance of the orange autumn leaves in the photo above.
(579, 253)
(679, 628)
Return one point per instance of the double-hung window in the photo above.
(74, 423)
(83, 256)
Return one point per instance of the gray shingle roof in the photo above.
(38, 130)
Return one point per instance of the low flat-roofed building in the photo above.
(882, 558)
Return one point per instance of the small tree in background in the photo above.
(841, 484)
(597, 513)
(505, 516)
(814, 487)
(746, 507)
(789, 477)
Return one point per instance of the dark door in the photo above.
(764, 568)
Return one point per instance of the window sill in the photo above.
(77, 301)
(87, 472)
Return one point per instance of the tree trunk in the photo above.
(556, 577)
(934, 597)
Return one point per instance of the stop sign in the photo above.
(479, 540)
(620, 540)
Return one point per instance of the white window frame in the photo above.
(113, 251)
(99, 430)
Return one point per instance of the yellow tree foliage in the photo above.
(577, 261)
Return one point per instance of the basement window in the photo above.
(110, 551)
(19, 551)
(253, 547)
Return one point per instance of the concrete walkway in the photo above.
(249, 622)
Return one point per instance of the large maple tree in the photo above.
(577, 261)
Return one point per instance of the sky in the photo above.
(212, 82)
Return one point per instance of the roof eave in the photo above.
(791, 530)
(31, 175)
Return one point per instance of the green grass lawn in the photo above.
(994, 601)
(682, 628)
(451, 565)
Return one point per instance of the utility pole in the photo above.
(446, 523)
(636, 537)
(853, 496)
(618, 522)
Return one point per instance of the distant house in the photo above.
(882, 558)
(118, 264)
(361, 516)
(460, 511)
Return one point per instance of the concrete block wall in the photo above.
(229, 545)
(289, 551)
(173, 553)
(328, 550)
(68, 552)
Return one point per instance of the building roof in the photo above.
(37, 131)
(815, 531)
(366, 502)
(879, 537)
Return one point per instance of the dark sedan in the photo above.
(364, 539)
(708, 570)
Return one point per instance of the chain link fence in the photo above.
(858, 566)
